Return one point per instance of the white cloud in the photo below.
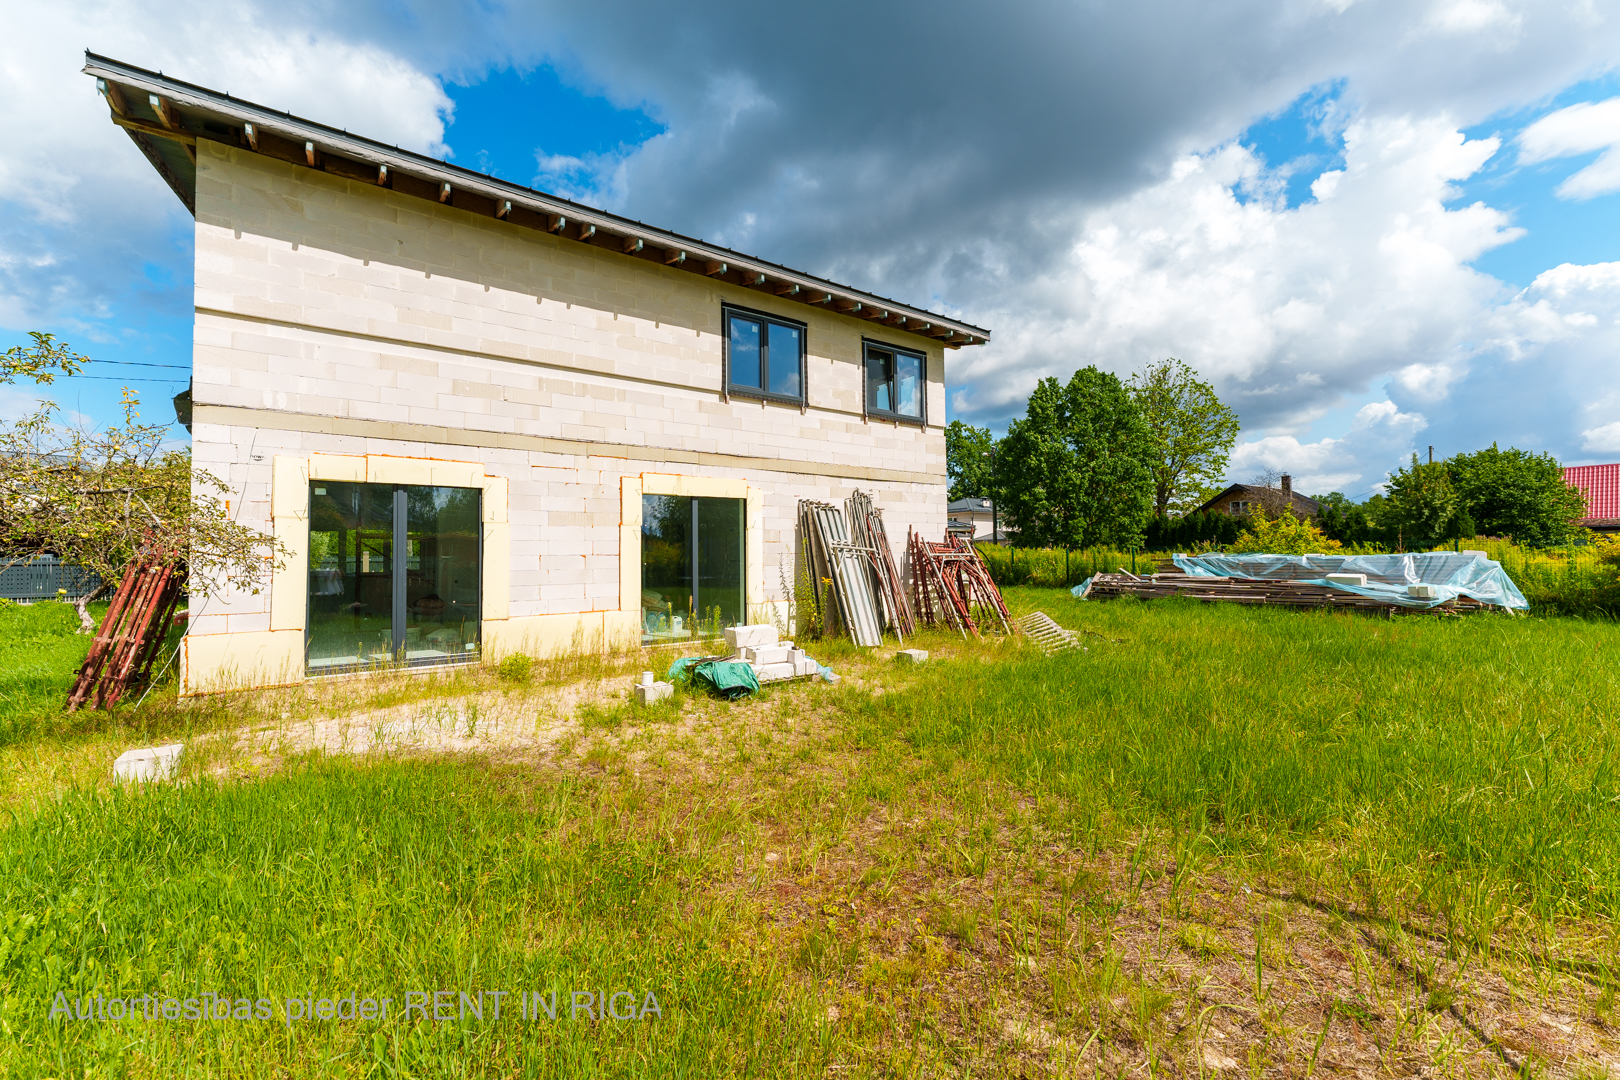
(73, 190)
(1473, 16)
(1602, 440)
(1284, 308)
(1380, 439)
(1579, 129)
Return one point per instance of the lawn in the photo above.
(1222, 840)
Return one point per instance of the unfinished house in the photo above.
(485, 419)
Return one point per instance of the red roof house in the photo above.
(1601, 486)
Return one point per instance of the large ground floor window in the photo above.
(692, 561)
(394, 575)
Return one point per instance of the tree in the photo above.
(1346, 521)
(967, 460)
(1283, 534)
(93, 496)
(1423, 507)
(1193, 433)
(1519, 494)
(42, 361)
(1074, 472)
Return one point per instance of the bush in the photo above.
(1284, 534)
(517, 668)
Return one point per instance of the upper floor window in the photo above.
(894, 383)
(764, 356)
(1239, 507)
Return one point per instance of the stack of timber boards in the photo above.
(1230, 590)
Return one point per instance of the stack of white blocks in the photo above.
(772, 660)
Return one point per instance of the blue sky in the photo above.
(1303, 203)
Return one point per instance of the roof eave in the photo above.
(756, 273)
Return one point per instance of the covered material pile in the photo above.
(1425, 581)
(756, 657)
(951, 584)
(854, 582)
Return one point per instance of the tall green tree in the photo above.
(1074, 472)
(967, 460)
(1422, 507)
(1516, 493)
(1193, 432)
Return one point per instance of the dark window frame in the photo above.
(921, 419)
(399, 572)
(729, 388)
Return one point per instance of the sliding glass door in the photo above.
(692, 567)
(394, 575)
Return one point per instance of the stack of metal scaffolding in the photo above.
(133, 630)
(854, 581)
(950, 583)
(866, 528)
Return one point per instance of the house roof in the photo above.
(1303, 507)
(165, 117)
(962, 506)
(1601, 486)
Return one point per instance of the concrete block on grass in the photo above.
(769, 654)
(750, 637)
(911, 656)
(148, 764)
(647, 693)
(774, 672)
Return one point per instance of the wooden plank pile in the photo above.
(950, 584)
(1232, 590)
(130, 636)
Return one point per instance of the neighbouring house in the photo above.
(486, 419)
(1601, 486)
(976, 519)
(1239, 500)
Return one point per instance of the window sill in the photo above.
(756, 394)
(915, 421)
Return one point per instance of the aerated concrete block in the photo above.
(149, 764)
(750, 637)
(647, 693)
(1358, 580)
(911, 656)
(769, 654)
(773, 672)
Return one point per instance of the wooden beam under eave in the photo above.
(114, 96)
(714, 268)
(444, 191)
(504, 210)
(586, 232)
(184, 138)
(311, 155)
(556, 223)
(787, 290)
(251, 134)
(633, 245)
(848, 307)
(382, 176)
(674, 256)
(752, 279)
(164, 110)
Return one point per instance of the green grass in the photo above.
(996, 863)
(40, 651)
(1446, 758)
(331, 880)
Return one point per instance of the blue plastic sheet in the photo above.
(1452, 574)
